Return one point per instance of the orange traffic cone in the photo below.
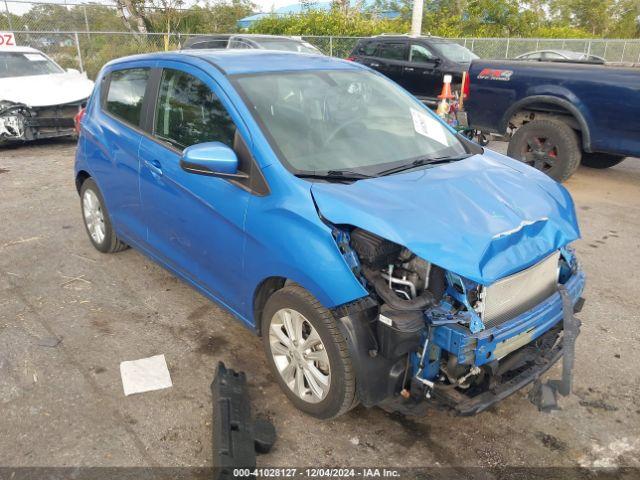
(446, 89)
(443, 105)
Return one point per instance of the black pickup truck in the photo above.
(558, 115)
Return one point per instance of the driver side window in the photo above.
(420, 54)
(188, 112)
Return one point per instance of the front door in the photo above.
(195, 222)
(421, 75)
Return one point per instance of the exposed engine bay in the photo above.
(452, 338)
(19, 122)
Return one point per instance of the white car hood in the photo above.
(46, 90)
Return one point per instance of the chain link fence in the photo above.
(86, 36)
(89, 51)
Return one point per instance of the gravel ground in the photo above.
(64, 405)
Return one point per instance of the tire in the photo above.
(551, 146)
(483, 138)
(326, 358)
(601, 160)
(96, 219)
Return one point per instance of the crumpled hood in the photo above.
(484, 217)
(46, 90)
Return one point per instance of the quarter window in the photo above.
(126, 93)
(188, 112)
(392, 51)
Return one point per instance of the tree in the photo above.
(593, 16)
(133, 14)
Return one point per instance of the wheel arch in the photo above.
(81, 177)
(263, 291)
(550, 105)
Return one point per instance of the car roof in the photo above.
(409, 37)
(19, 49)
(237, 62)
(257, 36)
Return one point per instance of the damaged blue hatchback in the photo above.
(383, 258)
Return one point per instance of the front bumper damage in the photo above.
(511, 355)
(21, 123)
(525, 365)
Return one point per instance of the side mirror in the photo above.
(214, 159)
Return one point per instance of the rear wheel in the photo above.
(307, 353)
(551, 146)
(601, 160)
(96, 219)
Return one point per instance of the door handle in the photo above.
(408, 69)
(154, 166)
(374, 64)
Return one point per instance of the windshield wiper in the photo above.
(345, 175)
(424, 161)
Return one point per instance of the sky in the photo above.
(20, 8)
(265, 5)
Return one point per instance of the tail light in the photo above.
(351, 58)
(465, 85)
(78, 118)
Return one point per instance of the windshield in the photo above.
(322, 121)
(455, 53)
(288, 45)
(22, 64)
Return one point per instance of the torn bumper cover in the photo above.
(19, 122)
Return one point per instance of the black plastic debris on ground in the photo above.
(545, 395)
(236, 437)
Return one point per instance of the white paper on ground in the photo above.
(145, 375)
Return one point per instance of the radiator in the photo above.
(517, 293)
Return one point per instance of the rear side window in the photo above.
(126, 93)
(366, 48)
(188, 112)
(210, 44)
(392, 51)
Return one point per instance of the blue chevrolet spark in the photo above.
(383, 258)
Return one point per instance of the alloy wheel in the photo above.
(540, 153)
(299, 355)
(93, 216)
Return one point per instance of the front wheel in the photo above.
(601, 160)
(551, 146)
(307, 353)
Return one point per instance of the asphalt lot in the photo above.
(64, 405)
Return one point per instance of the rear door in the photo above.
(390, 59)
(195, 222)
(112, 138)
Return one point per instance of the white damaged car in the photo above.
(38, 98)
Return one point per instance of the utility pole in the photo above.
(416, 17)
(6, 8)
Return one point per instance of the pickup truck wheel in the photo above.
(96, 219)
(307, 353)
(601, 160)
(550, 146)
